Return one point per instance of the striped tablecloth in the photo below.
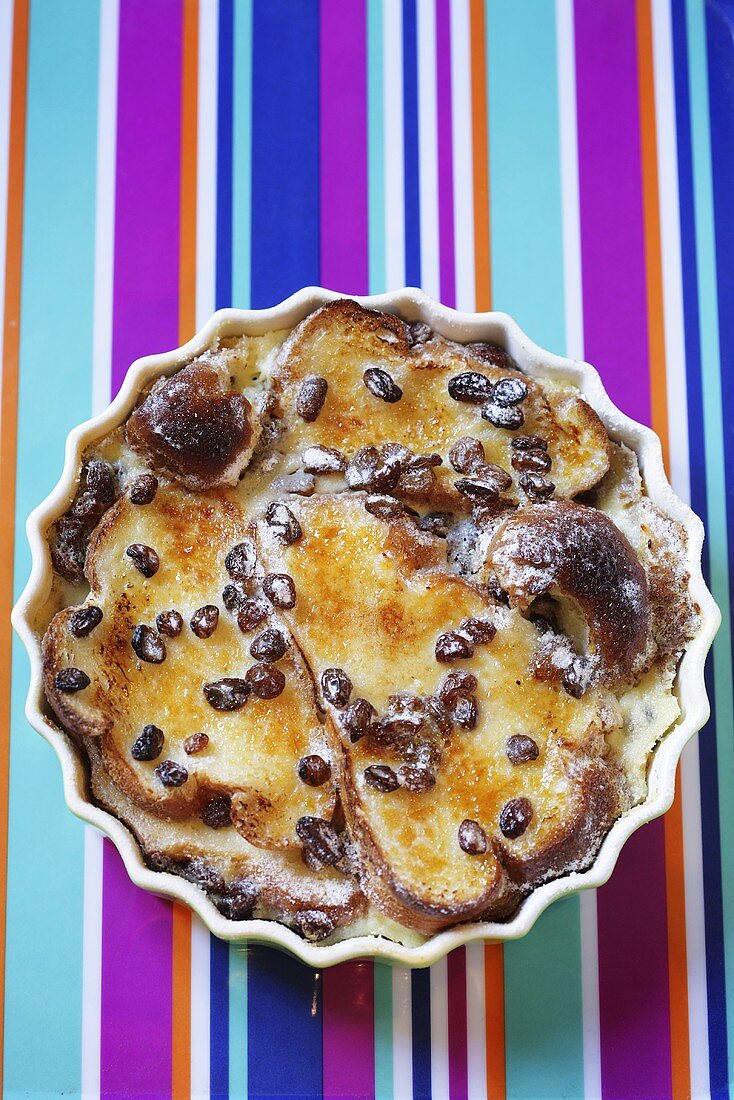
(570, 163)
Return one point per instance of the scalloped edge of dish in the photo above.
(412, 305)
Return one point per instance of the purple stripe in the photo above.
(445, 154)
(148, 175)
(610, 185)
(137, 944)
(457, 1024)
(632, 925)
(343, 143)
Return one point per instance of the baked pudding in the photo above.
(364, 630)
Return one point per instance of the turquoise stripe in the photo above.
(383, 1032)
(524, 163)
(237, 1023)
(43, 998)
(715, 468)
(375, 148)
(542, 971)
(242, 154)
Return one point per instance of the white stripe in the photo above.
(104, 238)
(568, 135)
(402, 1034)
(200, 957)
(104, 232)
(439, 1031)
(462, 155)
(573, 297)
(428, 153)
(476, 1022)
(667, 153)
(206, 182)
(6, 65)
(392, 128)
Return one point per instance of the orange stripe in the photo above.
(494, 967)
(9, 429)
(480, 131)
(181, 964)
(674, 867)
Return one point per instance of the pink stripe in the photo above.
(447, 263)
(348, 1031)
(633, 965)
(137, 944)
(458, 1071)
(343, 144)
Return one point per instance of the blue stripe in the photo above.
(285, 150)
(410, 146)
(225, 138)
(421, 1031)
(219, 1020)
(284, 1032)
(715, 981)
(43, 996)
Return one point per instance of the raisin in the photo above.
(240, 561)
(280, 590)
(383, 507)
(357, 719)
(509, 391)
(465, 712)
(481, 631)
(373, 470)
(532, 460)
(417, 476)
(314, 925)
(536, 486)
(320, 839)
(143, 489)
(503, 416)
(197, 742)
(239, 900)
(251, 614)
(268, 645)
(382, 778)
(148, 645)
(528, 443)
(493, 354)
(71, 680)
(459, 682)
(453, 647)
(216, 813)
(419, 333)
(169, 623)
(515, 817)
(466, 454)
(336, 686)
(471, 387)
(311, 397)
(83, 621)
(416, 778)
(284, 523)
(233, 597)
(379, 383)
(472, 838)
(436, 523)
(520, 749)
(171, 774)
(204, 621)
(313, 770)
(227, 694)
(144, 558)
(149, 744)
(323, 460)
(266, 681)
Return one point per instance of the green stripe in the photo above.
(242, 153)
(376, 148)
(703, 203)
(543, 970)
(237, 1023)
(383, 1032)
(43, 1002)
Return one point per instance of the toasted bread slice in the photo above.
(340, 341)
(252, 752)
(383, 601)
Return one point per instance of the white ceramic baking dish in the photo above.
(412, 305)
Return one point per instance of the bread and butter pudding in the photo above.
(362, 629)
